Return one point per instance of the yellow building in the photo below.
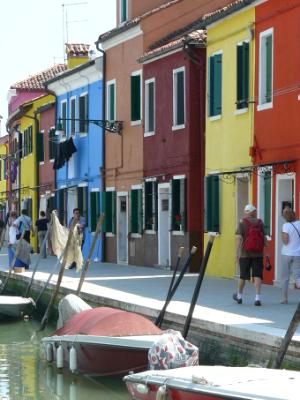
(229, 131)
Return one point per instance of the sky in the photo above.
(32, 34)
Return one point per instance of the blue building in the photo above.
(79, 155)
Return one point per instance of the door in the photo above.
(163, 225)
(122, 228)
(285, 189)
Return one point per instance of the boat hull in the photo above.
(15, 307)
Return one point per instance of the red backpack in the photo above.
(254, 239)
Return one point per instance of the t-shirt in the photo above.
(241, 230)
(41, 224)
(23, 223)
(293, 246)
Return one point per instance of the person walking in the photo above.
(80, 221)
(41, 225)
(250, 243)
(24, 224)
(12, 235)
(290, 252)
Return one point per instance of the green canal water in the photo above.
(25, 374)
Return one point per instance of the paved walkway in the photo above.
(144, 289)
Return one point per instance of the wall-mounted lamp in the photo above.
(109, 126)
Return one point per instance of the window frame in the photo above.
(147, 131)
(262, 82)
(175, 124)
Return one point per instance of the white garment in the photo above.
(59, 236)
(293, 246)
(12, 234)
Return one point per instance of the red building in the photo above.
(174, 89)
(276, 147)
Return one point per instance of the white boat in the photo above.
(215, 383)
(15, 306)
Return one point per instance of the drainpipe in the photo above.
(102, 170)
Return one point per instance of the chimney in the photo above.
(77, 54)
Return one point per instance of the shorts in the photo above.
(253, 265)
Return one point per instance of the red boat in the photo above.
(102, 341)
(214, 383)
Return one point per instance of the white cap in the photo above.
(249, 208)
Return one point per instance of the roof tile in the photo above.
(37, 81)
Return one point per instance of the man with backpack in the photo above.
(250, 242)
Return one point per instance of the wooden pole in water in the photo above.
(11, 267)
(287, 339)
(88, 260)
(198, 285)
(59, 279)
(39, 258)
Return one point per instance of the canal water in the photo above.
(25, 375)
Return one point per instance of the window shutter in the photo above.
(183, 204)
(180, 98)
(176, 216)
(239, 68)
(135, 98)
(246, 76)
(269, 67)
(148, 206)
(95, 209)
(140, 211)
(134, 211)
(211, 86)
(151, 107)
(217, 90)
(51, 144)
(83, 114)
(113, 211)
(73, 116)
(61, 206)
(40, 146)
(123, 10)
(267, 202)
(82, 193)
(111, 116)
(21, 150)
(212, 192)
(103, 210)
(30, 139)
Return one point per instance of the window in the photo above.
(51, 143)
(136, 211)
(136, 97)
(111, 100)
(73, 115)
(109, 210)
(212, 203)
(82, 199)
(95, 209)
(40, 146)
(151, 206)
(149, 106)
(266, 69)
(215, 85)
(83, 113)
(27, 141)
(265, 199)
(123, 11)
(179, 204)
(63, 117)
(242, 84)
(179, 97)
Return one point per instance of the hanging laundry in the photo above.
(64, 151)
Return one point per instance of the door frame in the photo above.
(163, 186)
(122, 194)
(281, 177)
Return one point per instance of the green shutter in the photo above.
(21, 150)
(103, 210)
(113, 211)
(242, 75)
(211, 86)
(123, 10)
(112, 116)
(40, 146)
(212, 204)
(180, 98)
(269, 68)
(135, 98)
(217, 90)
(51, 144)
(140, 211)
(148, 206)
(267, 202)
(151, 107)
(134, 211)
(176, 216)
(83, 114)
(183, 212)
(95, 209)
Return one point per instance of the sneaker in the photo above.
(257, 303)
(234, 296)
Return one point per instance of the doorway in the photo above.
(164, 256)
(285, 196)
(122, 227)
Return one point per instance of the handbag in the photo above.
(268, 265)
